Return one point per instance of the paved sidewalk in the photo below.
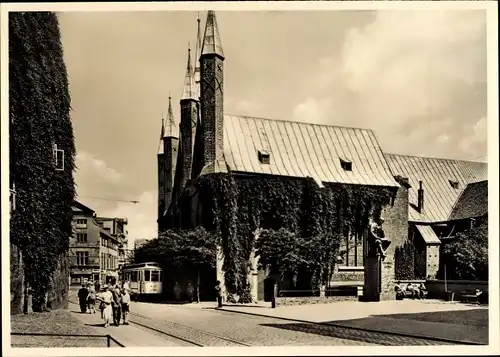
(127, 335)
(447, 321)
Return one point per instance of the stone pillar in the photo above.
(380, 275)
(253, 277)
(220, 272)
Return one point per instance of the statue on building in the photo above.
(377, 243)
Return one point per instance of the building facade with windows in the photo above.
(94, 249)
(117, 228)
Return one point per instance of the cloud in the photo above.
(417, 78)
(103, 188)
(141, 217)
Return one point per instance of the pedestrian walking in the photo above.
(218, 291)
(91, 298)
(190, 291)
(82, 298)
(117, 304)
(125, 305)
(107, 298)
(177, 291)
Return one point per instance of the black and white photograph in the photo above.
(245, 174)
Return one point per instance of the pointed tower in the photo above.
(161, 173)
(197, 53)
(170, 146)
(212, 93)
(189, 114)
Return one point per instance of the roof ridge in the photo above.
(299, 122)
(436, 158)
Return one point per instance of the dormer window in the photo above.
(264, 157)
(454, 184)
(403, 181)
(58, 158)
(346, 164)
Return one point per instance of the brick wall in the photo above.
(396, 229)
(57, 297)
(16, 281)
(436, 288)
(432, 261)
(346, 274)
(188, 133)
(212, 109)
(285, 301)
(170, 149)
(161, 184)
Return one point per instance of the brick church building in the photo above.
(209, 141)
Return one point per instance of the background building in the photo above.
(116, 227)
(95, 245)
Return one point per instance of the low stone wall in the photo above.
(436, 288)
(286, 301)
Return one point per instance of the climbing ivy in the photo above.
(39, 103)
(300, 223)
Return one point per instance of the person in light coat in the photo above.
(107, 311)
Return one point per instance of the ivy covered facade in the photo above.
(267, 186)
(42, 151)
(292, 200)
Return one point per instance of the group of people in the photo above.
(411, 291)
(189, 291)
(113, 300)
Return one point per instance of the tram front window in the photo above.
(147, 275)
(155, 275)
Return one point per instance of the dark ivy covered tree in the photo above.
(189, 250)
(300, 224)
(39, 102)
(466, 257)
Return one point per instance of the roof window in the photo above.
(454, 184)
(264, 157)
(346, 164)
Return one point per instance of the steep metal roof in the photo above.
(190, 91)
(211, 39)
(171, 127)
(197, 53)
(437, 176)
(161, 149)
(472, 202)
(428, 234)
(305, 150)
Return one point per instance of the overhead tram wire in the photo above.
(110, 199)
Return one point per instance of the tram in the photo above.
(145, 280)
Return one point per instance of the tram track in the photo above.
(187, 335)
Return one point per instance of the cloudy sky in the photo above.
(418, 79)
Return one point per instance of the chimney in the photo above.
(420, 197)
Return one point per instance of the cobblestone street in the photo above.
(194, 323)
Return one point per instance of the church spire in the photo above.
(197, 54)
(211, 40)
(190, 91)
(162, 134)
(171, 130)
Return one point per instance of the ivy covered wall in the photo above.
(39, 102)
(292, 213)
